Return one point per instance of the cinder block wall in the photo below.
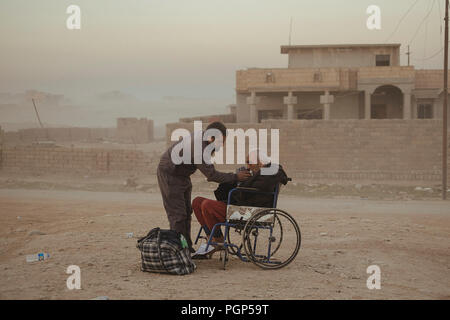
(405, 150)
(76, 161)
(226, 118)
(59, 135)
(372, 150)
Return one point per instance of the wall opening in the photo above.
(387, 103)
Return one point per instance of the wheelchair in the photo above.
(269, 237)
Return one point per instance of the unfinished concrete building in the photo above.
(339, 82)
(134, 130)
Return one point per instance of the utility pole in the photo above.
(37, 113)
(444, 114)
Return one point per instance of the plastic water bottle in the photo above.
(101, 298)
(38, 257)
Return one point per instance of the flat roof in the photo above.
(286, 49)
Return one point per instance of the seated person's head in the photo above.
(256, 159)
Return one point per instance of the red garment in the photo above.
(209, 212)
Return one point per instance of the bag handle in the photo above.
(158, 241)
(148, 234)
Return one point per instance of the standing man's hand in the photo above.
(243, 175)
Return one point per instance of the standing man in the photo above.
(175, 183)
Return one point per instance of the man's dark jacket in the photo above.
(264, 183)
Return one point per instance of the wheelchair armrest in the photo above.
(247, 189)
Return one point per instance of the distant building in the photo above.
(134, 130)
(339, 82)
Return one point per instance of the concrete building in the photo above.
(134, 130)
(339, 82)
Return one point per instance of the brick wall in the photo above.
(355, 149)
(129, 130)
(59, 135)
(75, 161)
(225, 118)
(339, 149)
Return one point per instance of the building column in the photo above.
(367, 105)
(253, 101)
(290, 101)
(326, 100)
(407, 105)
(434, 108)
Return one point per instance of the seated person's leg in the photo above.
(196, 206)
(214, 212)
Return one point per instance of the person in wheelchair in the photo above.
(210, 212)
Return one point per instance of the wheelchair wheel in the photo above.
(271, 239)
(275, 247)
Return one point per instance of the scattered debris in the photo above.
(36, 233)
(323, 234)
(129, 235)
(37, 257)
(131, 182)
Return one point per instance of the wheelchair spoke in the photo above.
(279, 240)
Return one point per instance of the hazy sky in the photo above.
(187, 48)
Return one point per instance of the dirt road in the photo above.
(408, 240)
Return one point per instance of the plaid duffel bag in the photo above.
(165, 251)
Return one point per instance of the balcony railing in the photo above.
(400, 73)
(339, 79)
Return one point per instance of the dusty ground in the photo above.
(409, 240)
(367, 190)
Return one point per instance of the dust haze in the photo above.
(100, 110)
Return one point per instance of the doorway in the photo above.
(379, 111)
